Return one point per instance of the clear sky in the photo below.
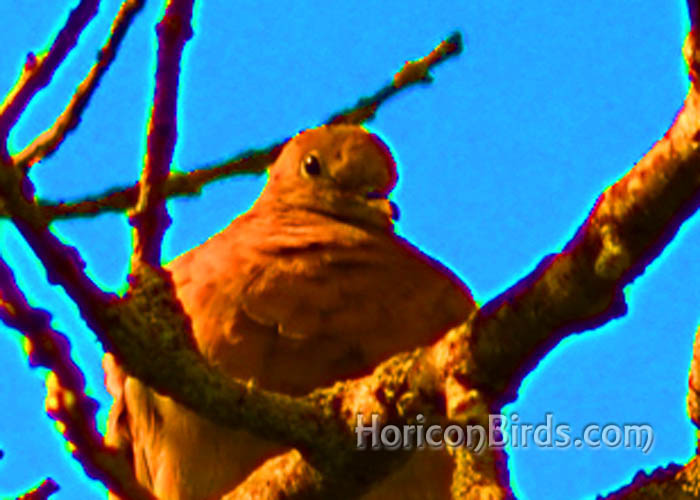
(500, 161)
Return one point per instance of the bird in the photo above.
(310, 286)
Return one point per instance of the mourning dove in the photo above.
(310, 286)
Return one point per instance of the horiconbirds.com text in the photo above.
(502, 431)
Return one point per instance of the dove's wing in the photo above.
(268, 297)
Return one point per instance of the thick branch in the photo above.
(582, 287)
(49, 140)
(150, 217)
(150, 320)
(38, 70)
(321, 424)
(66, 401)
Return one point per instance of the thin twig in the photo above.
(150, 217)
(253, 161)
(47, 488)
(122, 198)
(48, 141)
(39, 70)
(67, 402)
(411, 73)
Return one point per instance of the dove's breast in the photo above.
(310, 304)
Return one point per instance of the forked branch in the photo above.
(39, 70)
(66, 401)
(48, 141)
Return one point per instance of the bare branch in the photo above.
(178, 184)
(63, 264)
(66, 401)
(412, 72)
(49, 140)
(582, 287)
(39, 70)
(693, 398)
(253, 161)
(151, 320)
(150, 217)
(322, 423)
(47, 488)
(690, 50)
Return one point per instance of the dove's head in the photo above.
(342, 171)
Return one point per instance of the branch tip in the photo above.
(39, 70)
(47, 488)
(49, 141)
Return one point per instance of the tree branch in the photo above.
(66, 400)
(150, 320)
(150, 217)
(48, 141)
(39, 70)
(582, 287)
(47, 488)
(63, 264)
(412, 72)
(254, 161)
(178, 184)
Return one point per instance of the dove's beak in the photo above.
(379, 202)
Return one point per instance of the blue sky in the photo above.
(500, 161)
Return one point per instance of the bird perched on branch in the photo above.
(310, 286)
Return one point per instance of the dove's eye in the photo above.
(311, 165)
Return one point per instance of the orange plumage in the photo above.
(310, 286)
